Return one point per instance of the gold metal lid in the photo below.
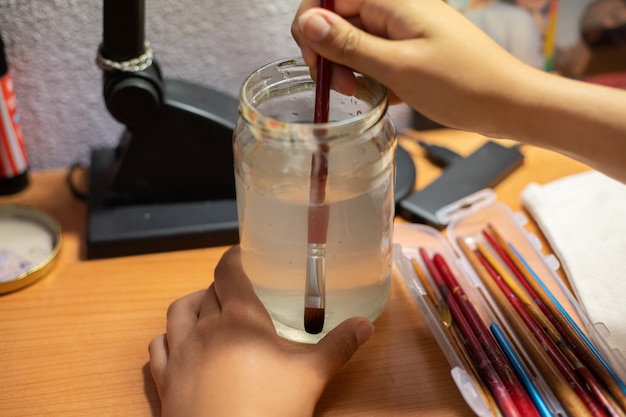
(29, 243)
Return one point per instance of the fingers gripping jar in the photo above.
(274, 142)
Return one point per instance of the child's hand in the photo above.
(222, 357)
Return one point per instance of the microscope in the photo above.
(169, 183)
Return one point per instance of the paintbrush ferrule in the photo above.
(315, 271)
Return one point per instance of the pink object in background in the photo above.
(13, 161)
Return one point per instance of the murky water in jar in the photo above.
(273, 234)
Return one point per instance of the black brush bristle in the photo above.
(313, 320)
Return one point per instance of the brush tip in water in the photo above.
(313, 320)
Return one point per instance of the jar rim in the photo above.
(378, 102)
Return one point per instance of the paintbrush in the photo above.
(523, 374)
(560, 318)
(519, 395)
(442, 309)
(549, 324)
(457, 340)
(556, 354)
(315, 291)
(553, 377)
(487, 369)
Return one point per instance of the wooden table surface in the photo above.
(75, 342)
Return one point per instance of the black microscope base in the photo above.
(121, 230)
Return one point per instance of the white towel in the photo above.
(583, 217)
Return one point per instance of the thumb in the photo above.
(328, 34)
(341, 343)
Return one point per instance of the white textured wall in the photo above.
(568, 29)
(51, 46)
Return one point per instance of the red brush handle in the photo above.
(322, 89)
(322, 107)
(318, 211)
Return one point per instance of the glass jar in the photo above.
(274, 143)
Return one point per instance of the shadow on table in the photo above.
(149, 388)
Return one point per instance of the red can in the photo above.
(13, 160)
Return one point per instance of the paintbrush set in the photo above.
(518, 342)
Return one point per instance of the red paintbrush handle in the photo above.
(322, 89)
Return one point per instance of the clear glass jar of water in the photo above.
(274, 143)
